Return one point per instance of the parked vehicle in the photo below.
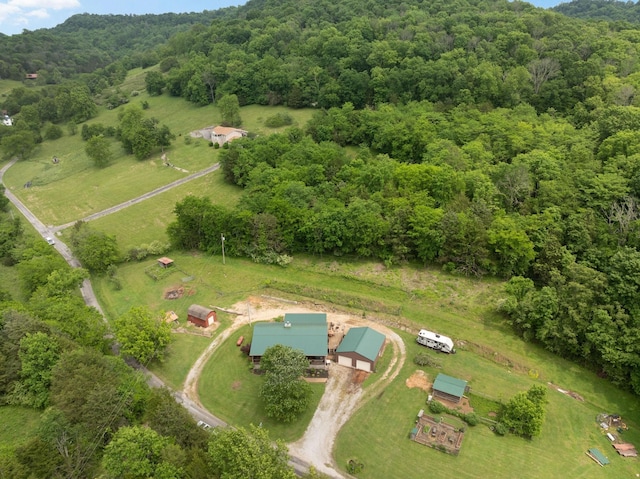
(204, 425)
(435, 341)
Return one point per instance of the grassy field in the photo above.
(180, 356)
(378, 433)
(493, 360)
(7, 85)
(74, 188)
(18, 424)
(152, 217)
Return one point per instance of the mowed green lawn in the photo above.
(151, 217)
(228, 388)
(494, 361)
(378, 434)
(74, 188)
(180, 356)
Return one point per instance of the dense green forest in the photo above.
(484, 137)
(610, 10)
(494, 138)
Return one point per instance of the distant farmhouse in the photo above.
(220, 134)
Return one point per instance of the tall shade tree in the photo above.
(141, 335)
(241, 454)
(284, 392)
(524, 413)
(20, 144)
(98, 150)
(230, 110)
(38, 354)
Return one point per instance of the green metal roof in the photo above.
(307, 332)
(598, 456)
(364, 341)
(307, 318)
(450, 385)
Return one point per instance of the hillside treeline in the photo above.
(608, 10)
(85, 43)
(491, 138)
(496, 53)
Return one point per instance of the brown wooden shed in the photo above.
(201, 316)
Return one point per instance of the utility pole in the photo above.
(222, 239)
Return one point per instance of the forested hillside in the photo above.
(495, 138)
(484, 137)
(87, 42)
(608, 10)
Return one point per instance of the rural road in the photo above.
(194, 407)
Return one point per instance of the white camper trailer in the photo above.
(435, 341)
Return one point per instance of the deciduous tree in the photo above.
(284, 392)
(241, 453)
(142, 335)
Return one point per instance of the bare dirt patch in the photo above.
(567, 392)
(173, 292)
(462, 406)
(419, 379)
(236, 385)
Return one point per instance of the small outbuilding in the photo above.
(165, 262)
(170, 317)
(201, 316)
(449, 388)
(360, 349)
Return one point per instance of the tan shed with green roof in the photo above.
(449, 388)
(360, 349)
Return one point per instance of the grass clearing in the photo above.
(152, 217)
(385, 421)
(74, 188)
(181, 354)
(18, 424)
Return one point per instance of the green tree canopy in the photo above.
(241, 453)
(284, 392)
(98, 150)
(142, 335)
(524, 413)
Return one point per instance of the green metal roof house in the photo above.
(360, 349)
(306, 332)
(449, 388)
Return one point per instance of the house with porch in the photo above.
(303, 331)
